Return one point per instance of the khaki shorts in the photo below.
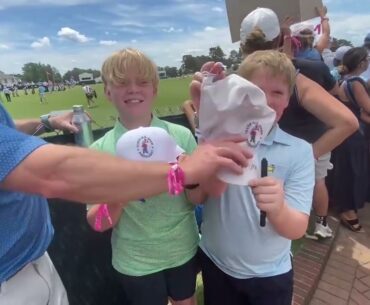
(322, 165)
(38, 283)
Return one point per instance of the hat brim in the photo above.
(179, 151)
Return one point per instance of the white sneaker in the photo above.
(329, 229)
(322, 231)
(310, 236)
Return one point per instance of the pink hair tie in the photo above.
(175, 180)
(296, 42)
(102, 212)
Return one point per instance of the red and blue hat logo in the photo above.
(254, 133)
(145, 147)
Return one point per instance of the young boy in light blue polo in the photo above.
(242, 262)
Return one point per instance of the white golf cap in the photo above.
(148, 144)
(339, 53)
(297, 28)
(235, 106)
(263, 18)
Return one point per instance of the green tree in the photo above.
(336, 43)
(35, 72)
(235, 57)
(233, 60)
(201, 60)
(189, 64)
(75, 72)
(56, 75)
(72, 74)
(95, 73)
(216, 54)
(171, 71)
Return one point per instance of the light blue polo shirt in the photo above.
(231, 235)
(25, 226)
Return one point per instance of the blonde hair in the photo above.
(256, 41)
(116, 67)
(278, 64)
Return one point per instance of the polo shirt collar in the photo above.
(119, 129)
(278, 136)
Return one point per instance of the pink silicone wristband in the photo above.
(175, 180)
(102, 212)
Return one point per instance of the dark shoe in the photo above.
(352, 224)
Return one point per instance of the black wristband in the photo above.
(191, 186)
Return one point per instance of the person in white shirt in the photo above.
(7, 92)
(90, 93)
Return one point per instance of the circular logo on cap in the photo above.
(145, 147)
(254, 133)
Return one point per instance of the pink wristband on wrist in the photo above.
(102, 212)
(175, 180)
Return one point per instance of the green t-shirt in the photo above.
(161, 232)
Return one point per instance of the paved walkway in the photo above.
(346, 276)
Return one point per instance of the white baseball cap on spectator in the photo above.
(148, 144)
(262, 18)
(235, 106)
(297, 28)
(339, 53)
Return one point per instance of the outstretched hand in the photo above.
(63, 122)
(211, 67)
(212, 156)
(322, 11)
(285, 25)
(209, 157)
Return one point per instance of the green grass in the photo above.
(172, 93)
(199, 290)
(296, 245)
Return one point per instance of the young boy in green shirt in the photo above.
(154, 242)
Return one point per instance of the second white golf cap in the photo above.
(148, 144)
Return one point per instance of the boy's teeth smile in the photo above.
(133, 101)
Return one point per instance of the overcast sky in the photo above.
(82, 33)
